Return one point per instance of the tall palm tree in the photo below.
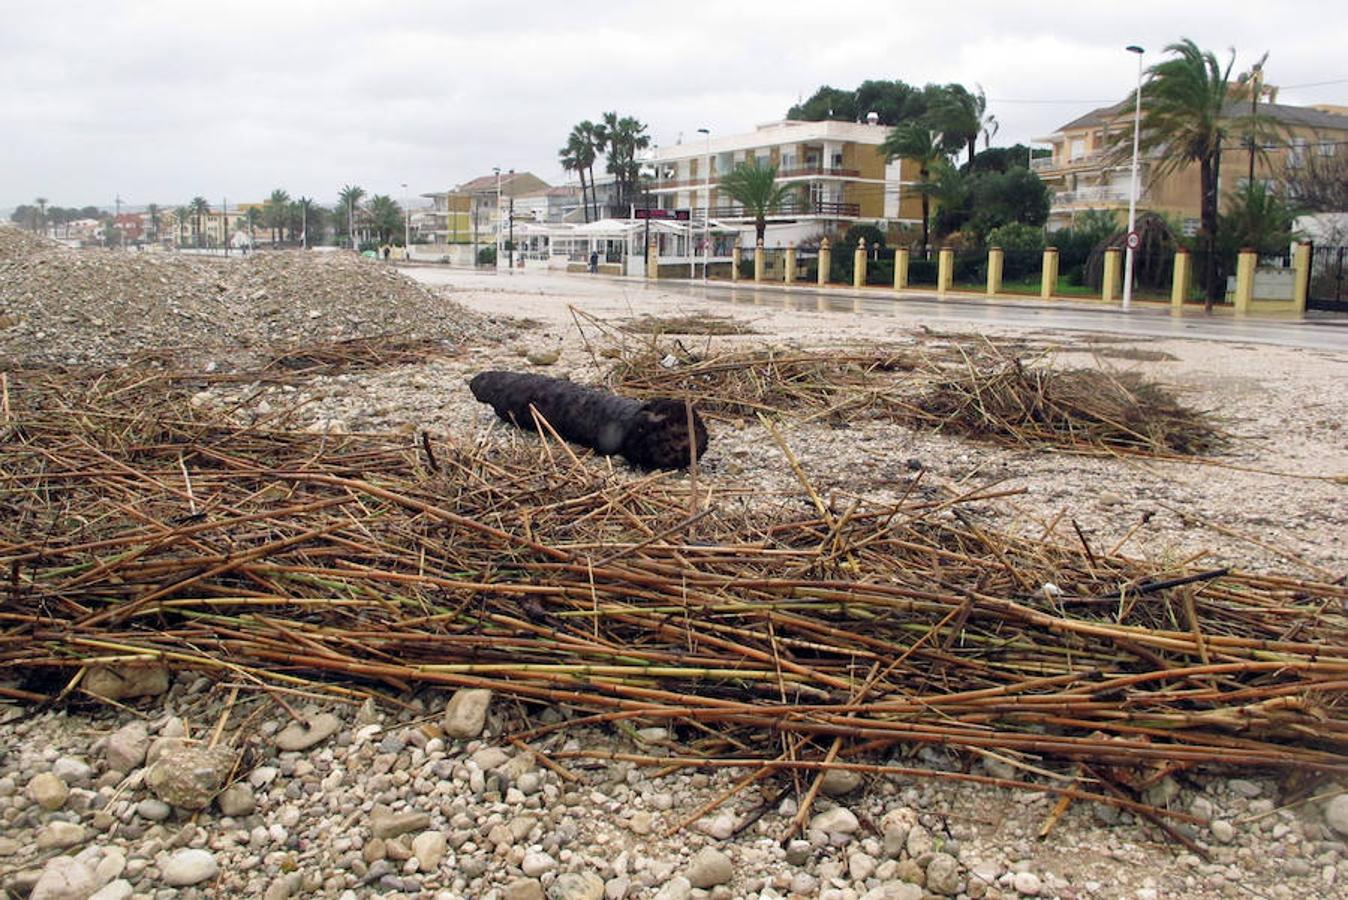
(577, 156)
(594, 139)
(963, 116)
(349, 199)
(42, 213)
(919, 143)
(755, 188)
(386, 216)
(199, 207)
(181, 215)
(623, 137)
(1186, 104)
(276, 213)
(153, 212)
(308, 214)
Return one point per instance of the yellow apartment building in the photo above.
(842, 178)
(1085, 173)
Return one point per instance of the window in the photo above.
(1078, 148)
(788, 161)
(1328, 148)
(837, 160)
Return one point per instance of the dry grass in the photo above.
(136, 529)
(698, 324)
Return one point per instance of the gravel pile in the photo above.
(62, 306)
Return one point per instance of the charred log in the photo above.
(651, 435)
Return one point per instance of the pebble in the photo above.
(709, 868)
(237, 800)
(188, 867)
(387, 824)
(125, 748)
(837, 782)
(1336, 814)
(576, 886)
(537, 863)
(60, 835)
(677, 888)
(189, 777)
(1244, 788)
(154, 810)
(309, 733)
(125, 682)
(943, 874)
(72, 771)
(48, 791)
(466, 713)
(1223, 831)
(838, 820)
(65, 878)
(523, 889)
(1027, 883)
(118, 889)
(429, 848)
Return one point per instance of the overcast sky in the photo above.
(161, 101)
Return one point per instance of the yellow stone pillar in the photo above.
(1109, 289)
(1049, 276)
(1181, 281)
(859, 265)
(758, 260)
(735, 254)
(825, 259)
(789, 275)
(1246, 262)
(1301, 287)
(945, 270)
(996, 260)
(653, 259)
(900, 268)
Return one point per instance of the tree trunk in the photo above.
(650, 435)
(761, 226)
(594, 195)
(584, 198)
(1207, 175)
(926, 213)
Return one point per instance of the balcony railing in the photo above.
(1091, 195)
(797, 172)
(828, 208)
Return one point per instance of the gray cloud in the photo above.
(160, 101)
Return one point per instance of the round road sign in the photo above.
(1134, 240)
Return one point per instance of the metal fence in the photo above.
(1327, 288)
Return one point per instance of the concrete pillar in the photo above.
(945, 270)
(758, 260)
(825, 259)
(735, 254)
(653, 259)
(1049, 276)
(1301, 286)
(1246, 262)
(996, 259)
(1181, 281)
(789, 275)
(1109, 289)
(900, 268)
(859, 265)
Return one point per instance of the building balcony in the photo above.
(827, 209)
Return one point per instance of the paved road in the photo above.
(1141, 321)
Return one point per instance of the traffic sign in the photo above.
(1134, 240)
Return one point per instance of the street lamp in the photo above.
(497, 170)
(1132, 186)
(706, 210)
(407, 225)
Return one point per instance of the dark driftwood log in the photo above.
(652, 435)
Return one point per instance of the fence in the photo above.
(1327, 291)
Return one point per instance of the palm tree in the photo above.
(276, 213)
(42, 213)
(349, 199)
(755, 188)
(1186, 100)
(922, 145)
(308, 213)
(180, 217)
(253, 218)
(386, 216)
(623, 137)
(960, 115)
(199, 207)
(577, 156)
(594, 139)
(153, 212)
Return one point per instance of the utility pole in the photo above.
(497, 261)
(116, 221)
(511, 242)
(407, 225)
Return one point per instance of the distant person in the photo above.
(386, 252)
(594, 262)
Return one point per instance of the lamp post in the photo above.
(497, 170)
(407, 225)
(706, 210)
(1132, 185)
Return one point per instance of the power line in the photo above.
(1292, 87)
